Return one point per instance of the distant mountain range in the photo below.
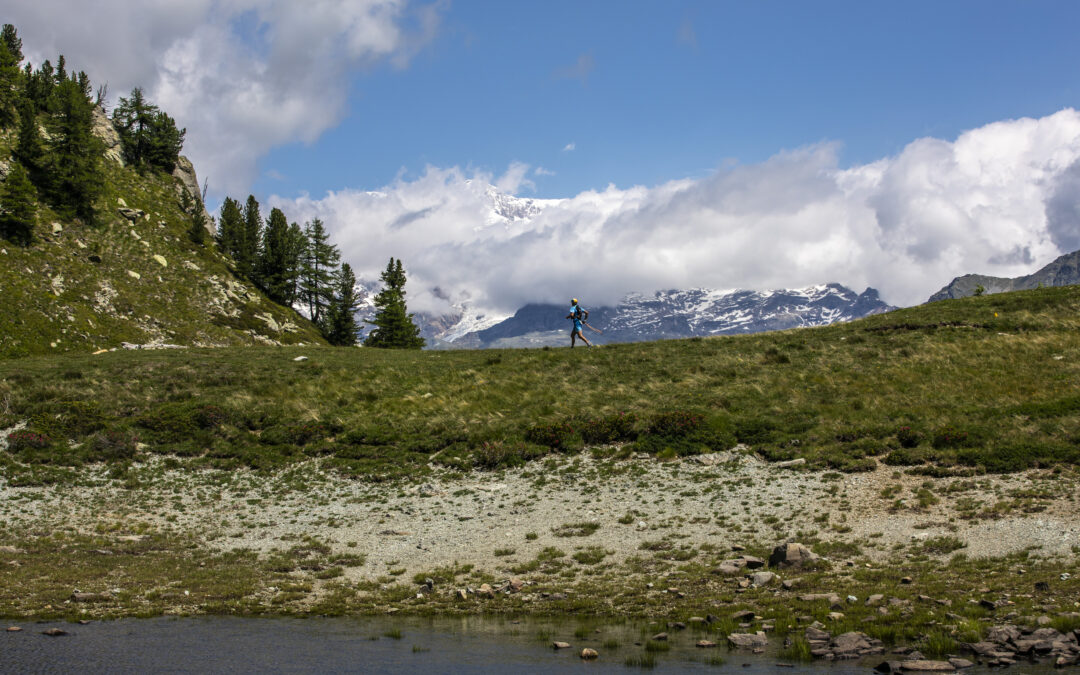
(663, 315)
(1065, 271)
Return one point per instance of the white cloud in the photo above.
(242, 75)
(994, 201)
(569, 147)
(541, 171)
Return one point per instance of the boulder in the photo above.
(588, 654)
(184, 173)
(560, 645)
(748, 640)
(762, 578)
(131, 214)
(791, 555)
(705, 644)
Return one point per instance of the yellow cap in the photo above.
(574, 301)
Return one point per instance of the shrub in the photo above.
(905, 457)
(950, 437)
(559, 436)
(112, 445)
(499, 454)
(675, 424)
(209, 416)
(908, 437)
(25, 440)
(612, 428)
(756, 430)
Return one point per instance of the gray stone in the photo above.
(762, 578)
(927, 666)
(560, 645)
(960, 664)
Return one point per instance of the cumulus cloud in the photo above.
(570, 147)
(242, 75)
(1001, 199)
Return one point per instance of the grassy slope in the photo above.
(51, 288)
(982, 383)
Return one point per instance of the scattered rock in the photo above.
(960, 664)
(660, 637)
(131, 214)
(13, 629)
(160, 259)
(790, 463)
(588, 654)
(874, 600)
(705, 644)
(461, 594)
(54, 632)
(905, 580)
(487, 591)
(134, 275)
(744, 615)
(57, 229)
(301, 358)
(560, 645)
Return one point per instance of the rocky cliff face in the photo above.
(1065, 271)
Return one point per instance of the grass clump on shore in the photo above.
(950, 388)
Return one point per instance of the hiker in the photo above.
(579, 315)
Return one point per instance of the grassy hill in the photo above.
(950, 388)
(80, 289)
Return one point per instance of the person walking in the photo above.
(580, 315)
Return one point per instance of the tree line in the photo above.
(56, 156)
(297, 265)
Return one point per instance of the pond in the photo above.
(376, 645)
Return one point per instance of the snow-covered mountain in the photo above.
(685, 313)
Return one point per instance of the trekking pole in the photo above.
(595, 330)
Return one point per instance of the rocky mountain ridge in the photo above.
(1064, 271)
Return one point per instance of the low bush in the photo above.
(22, 441)
(908, 437)
(610, 429)
(560, 437)
(112, 445)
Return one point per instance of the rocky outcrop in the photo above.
(103, 128)
(184, 173)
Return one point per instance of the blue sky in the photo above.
(711, 144)
(649, 92)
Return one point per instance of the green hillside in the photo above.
(137, 279)
(950, 388)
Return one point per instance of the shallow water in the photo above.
(339, 645)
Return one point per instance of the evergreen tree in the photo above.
(320, 260)
(18, 204)
(30, 148)
(341, 315)
(274, 263)
(247, 259)
(230, 228)
(10, 76)
(40, 85)
(394, 325)
(297, 248)
(148, 136)
(10, 37)
(76, 152)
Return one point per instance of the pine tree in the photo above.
(230, 224)
(30, 148)
(320, 260)
(76, 152)
(247, 257)
(297, 247)
(10, 77)
(166, 141)
(341, 326)
(394, 325)
(274, 262)
(133, 119)
(18, 204)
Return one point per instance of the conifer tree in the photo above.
(247, 257)
(76, 152)
(18, 205)
(230, 228)
(341, 315)
(394, 325)
(10, 77)
(321, 259)
(148, 136)
(274, 263)
(297, 247)
(30, 148)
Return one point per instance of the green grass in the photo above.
(911, 388)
